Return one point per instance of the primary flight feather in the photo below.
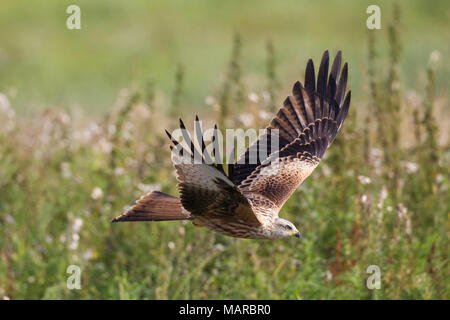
(244, 201)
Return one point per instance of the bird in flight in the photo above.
(244, 201)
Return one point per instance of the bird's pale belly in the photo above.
(235, 228)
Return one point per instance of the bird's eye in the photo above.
(288, 227)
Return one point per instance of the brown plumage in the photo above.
(245, 201)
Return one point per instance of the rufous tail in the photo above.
(155, 206)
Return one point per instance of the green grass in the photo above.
(379, 197)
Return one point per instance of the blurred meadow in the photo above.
(83, 114)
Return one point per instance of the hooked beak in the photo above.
(297, 234)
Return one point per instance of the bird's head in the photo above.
(283, 228)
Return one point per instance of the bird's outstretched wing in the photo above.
(205, 189)
(306, 125)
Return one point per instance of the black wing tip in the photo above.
(310, 77)
(345, 67)
(344, 72)
(335, 69)
(296, 90)
(348, 98)
(320, 123)
(297, 86)
(182, 126)
(287, 100)
(344, 110)
(124, 218)
(116, 219)
(325, 59)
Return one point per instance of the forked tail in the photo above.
(155, 206)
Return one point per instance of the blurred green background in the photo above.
(82, 114)
(126, 43)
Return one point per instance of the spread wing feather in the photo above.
(306, 125)
(205, 189)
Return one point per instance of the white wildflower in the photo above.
(326, 170)
(408, 227)
(75, 237)
(119, 171)
(435, 57)
(97, 193)
(264, 115)
(246, 119)
(9, 219)
(253, 97)
(171, 245)
(210, 100)
(411, 167)
(65, 170)
(383, 193)
(88, 254)
(7, 114)
(93, 129)
(64, 118)
(382, 197)
(73, 245)
(77, 224)
(219, 247)
(104, 146)
(364, 199)
(364, 180)
(5, 106)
